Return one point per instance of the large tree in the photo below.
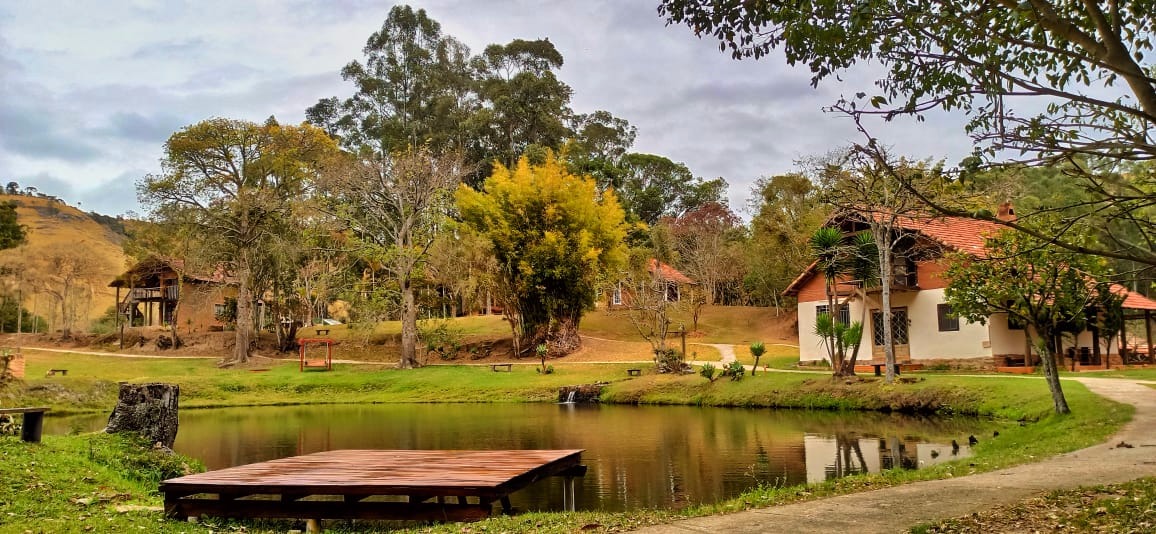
(524, 103)
(1033, 282)
(787, 211)
(1039, 80)
(554, 236)
(412, 88)
(703, 238)
(393, 205)
(232, 184)
(653, 187)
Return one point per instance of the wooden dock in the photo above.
(365, 484)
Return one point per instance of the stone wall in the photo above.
(581, 394)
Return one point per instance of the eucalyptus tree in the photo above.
(524, 104)
(1040, 81)
(231, 185)
(413, 88)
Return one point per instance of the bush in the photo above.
(708, 372)
(439, 337)
(670, 361)
(735, 370)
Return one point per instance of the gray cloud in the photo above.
(172, 49)
(135, 126)
(36, 133)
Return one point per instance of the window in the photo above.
(898, 326)
(672, 293)
(947, 322)
(844, 313)
(218, 310)
(616, 297)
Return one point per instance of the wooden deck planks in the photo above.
(487, 475)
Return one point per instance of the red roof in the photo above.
(959, 233)
(667, 272)
(1133, 300)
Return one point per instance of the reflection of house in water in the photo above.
(852, 454)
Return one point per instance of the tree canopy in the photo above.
(232, 184)
(1040, 81)
(554, 236)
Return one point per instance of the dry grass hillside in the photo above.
(60, 239)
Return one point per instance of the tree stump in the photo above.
(147, 409)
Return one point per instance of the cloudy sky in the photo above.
(89, 91)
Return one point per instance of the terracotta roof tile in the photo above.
(667, 272)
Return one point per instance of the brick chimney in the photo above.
(1006, 212)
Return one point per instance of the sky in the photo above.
(90, 91)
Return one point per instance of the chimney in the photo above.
(1006, 212)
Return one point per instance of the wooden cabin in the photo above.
(159, 292)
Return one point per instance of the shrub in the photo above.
(708, 372)
(757, 350)
(670, 361)
(735, 370)
(440, 337)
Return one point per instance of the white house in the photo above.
(925, 332)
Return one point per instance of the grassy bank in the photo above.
(68, 463)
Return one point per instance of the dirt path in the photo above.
(119, 355)
(899, 508)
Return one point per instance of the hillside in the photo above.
(59, 235)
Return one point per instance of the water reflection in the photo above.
(639, 457)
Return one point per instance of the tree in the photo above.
(787, 212)
(554, 237)
(67, 274)
(12, 233)
(702, 237)
(644, 293)
(231, 184)
(393, 205)
(12, 188)
(844, 263)
(524, 104)
(413, 89)
(599, 144)
(1051, 81)
(757, 350)
(654, 187)
(1034, 282)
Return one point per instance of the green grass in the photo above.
(76, 483)
(91, 382)
(91, 386)
(776, 356)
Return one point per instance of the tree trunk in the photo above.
(408, 324)
(147, 409)
(564, 339)
(1052, 375)
(885, 277)
(244, 327)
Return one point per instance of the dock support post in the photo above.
(569, 495)
(507, 509)
(312, 525)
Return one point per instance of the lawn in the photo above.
(76, 483)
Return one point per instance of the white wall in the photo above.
(925, 339)
(1003, 340)
(811, 347)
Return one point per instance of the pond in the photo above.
(639, 456)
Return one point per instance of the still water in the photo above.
(639, 456)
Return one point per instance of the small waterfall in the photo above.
(570, 396)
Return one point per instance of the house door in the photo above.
(899, 331)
